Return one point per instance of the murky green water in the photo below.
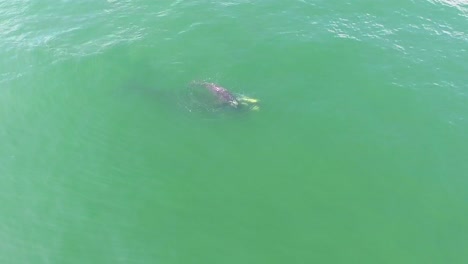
(358, 154)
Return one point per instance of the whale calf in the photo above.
(222, 94)
(226, 97)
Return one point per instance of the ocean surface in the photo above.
(358, 154)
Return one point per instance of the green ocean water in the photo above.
(359, 153)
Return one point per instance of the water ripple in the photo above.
(461, 5)
(28, 27)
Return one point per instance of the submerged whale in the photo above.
(222, 94)
(226, 97)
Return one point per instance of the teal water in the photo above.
(358, 153)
